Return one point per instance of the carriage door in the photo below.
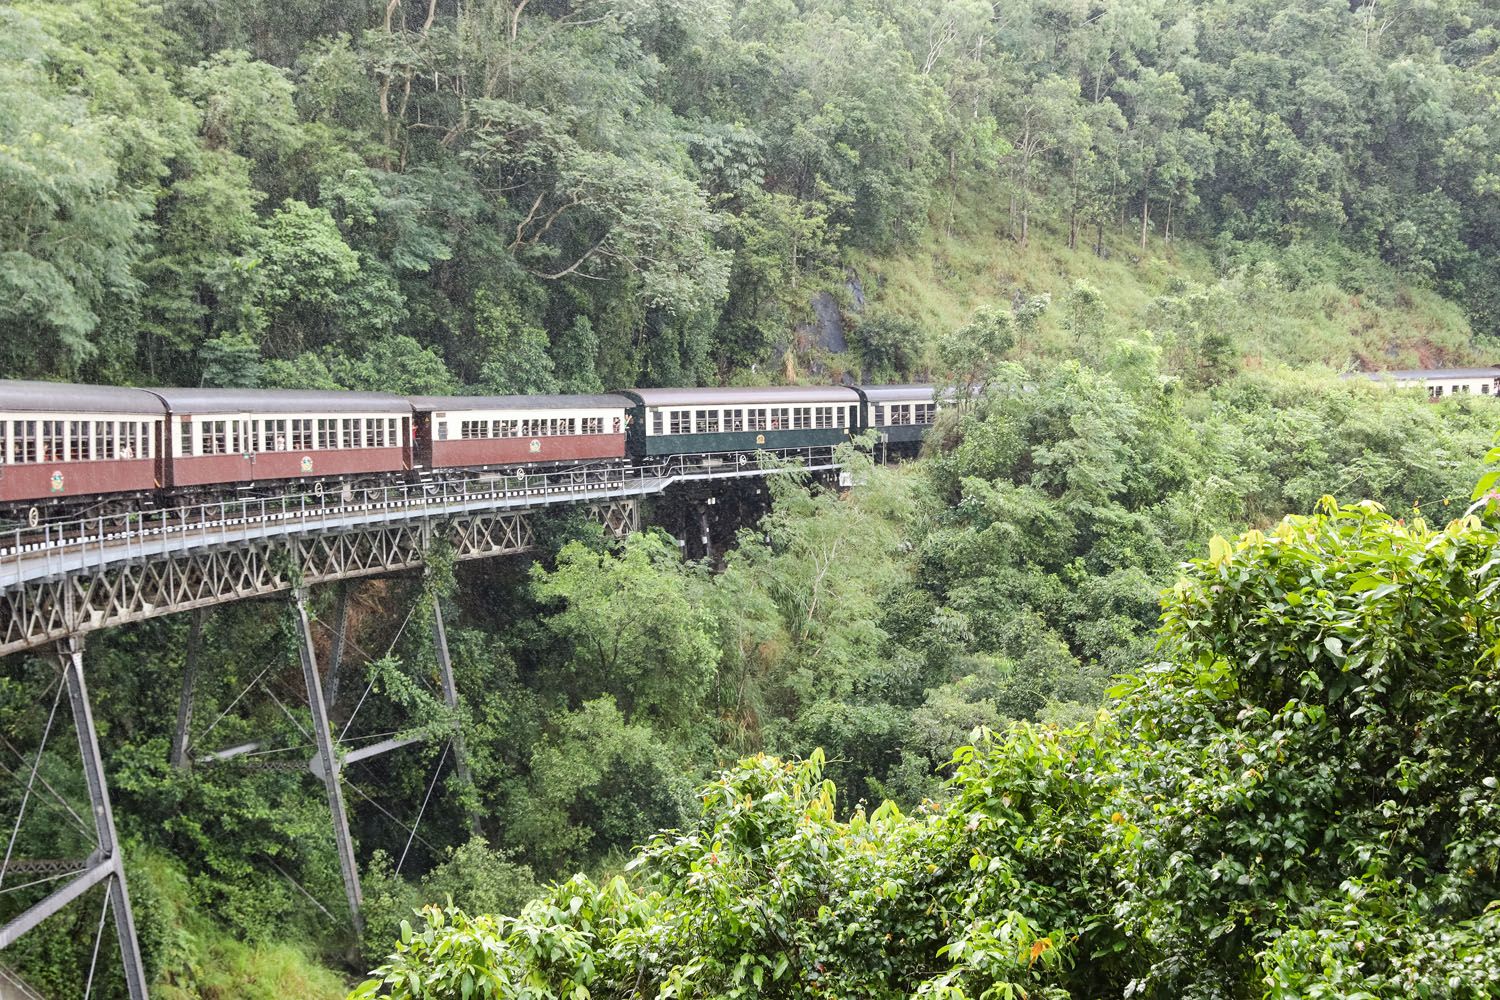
(422, 442)
(243, 445)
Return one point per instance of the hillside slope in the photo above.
(1303, 305)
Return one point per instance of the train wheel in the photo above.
(33, 517)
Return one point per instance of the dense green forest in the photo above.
(427, 193)
(1149, 233)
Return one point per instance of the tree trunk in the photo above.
(1169, 220)
(1073, 211)
(1145, 214)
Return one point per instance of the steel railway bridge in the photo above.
(59, 582)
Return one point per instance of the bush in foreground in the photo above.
(1298, 801)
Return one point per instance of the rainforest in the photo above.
(1167, 666)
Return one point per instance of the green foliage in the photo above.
(631, 625)
(1259, 796)
(473, 876)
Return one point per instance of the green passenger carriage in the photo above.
(786, 418)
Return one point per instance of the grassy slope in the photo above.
(209, 962)
(961, 264)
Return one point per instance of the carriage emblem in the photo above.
(306, 463)
(536, 446)
(57, 481)
(760, 439)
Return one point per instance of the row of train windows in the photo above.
(896, 414)
(1436, 391)
(232, 437)
(77, 440)
(538, 427)
(773, 418)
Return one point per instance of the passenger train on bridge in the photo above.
(67, 449)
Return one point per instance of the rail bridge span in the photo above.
(60, 582)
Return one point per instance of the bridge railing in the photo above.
(65, 546)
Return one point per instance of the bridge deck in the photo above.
(80, 576)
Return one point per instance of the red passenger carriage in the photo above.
(65, 444)
(247, 436)
(505, 431)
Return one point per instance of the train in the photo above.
(92, 449)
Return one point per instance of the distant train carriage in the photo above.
(900, 414)
(245, 436)
(60, 442)
(677, 421)
(491, 431)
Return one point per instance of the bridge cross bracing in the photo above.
(59, 582)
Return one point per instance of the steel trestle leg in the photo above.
(180, 737)
(329, 760)
(340, 640)
(450, 696)
(106, 864)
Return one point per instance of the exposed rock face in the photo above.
(856, 292)
(827, 331)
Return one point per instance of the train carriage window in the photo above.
(880, 415)
(53, 440)
(470, 429)
(755, 420)
(680, 422)
(24, 435)
(377, 433)
(508, 429)
(276, 438)
(926, 413)
(823, 416)
(900, 414)
(707, 422)
(734, 421)
(79, 432)
(215, 437)
(442, 429)
(302, 434)
(802, 417)
(657, 421)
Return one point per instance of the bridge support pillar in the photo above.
(180, 737)
(323, 735)
(340, 640)
(107, 864)
(450, 696)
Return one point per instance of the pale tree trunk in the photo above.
(1073, 211)
(1145, 211)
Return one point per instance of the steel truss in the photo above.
(106, 864)
(60, 582)
(47, 610)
